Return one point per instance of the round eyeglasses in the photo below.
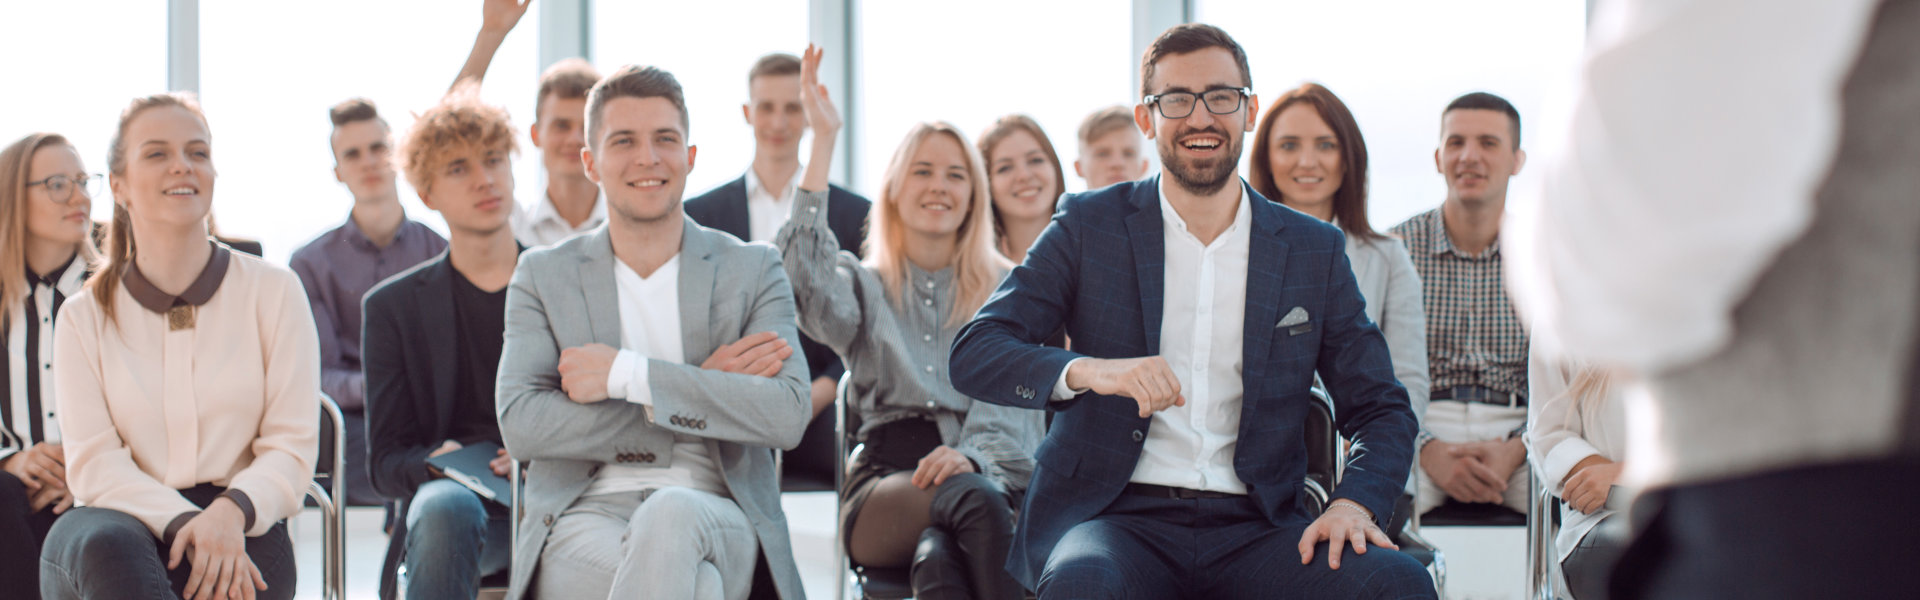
(1177, 105)
(60, 187)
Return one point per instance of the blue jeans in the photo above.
(452, 542)
(105, 553)
(1142, 547)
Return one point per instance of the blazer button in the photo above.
(1139, 435)
(548, 521)
(700, 424)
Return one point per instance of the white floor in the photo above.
(1483, 563)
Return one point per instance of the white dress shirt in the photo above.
(1204, 308)
(1563, 430)
(1635, 258)
(543, 226)
(767, 210)
(650, 330)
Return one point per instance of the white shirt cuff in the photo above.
(627, 379)
(1560, 461)
(1060, 390)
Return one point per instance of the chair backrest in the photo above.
(1323, 446)
(333, 438)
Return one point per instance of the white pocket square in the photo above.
(1297, 316)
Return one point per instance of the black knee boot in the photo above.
(939, 569)
(976, 513)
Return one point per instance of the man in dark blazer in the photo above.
(431, 342)
(754, 207)
(1199, 313)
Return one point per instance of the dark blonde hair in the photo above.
(774, 65)
(998, 132)
(16, 165)
(120, 244)
(459, 123)
(977, 266)
(567, 79)
(1104, 121)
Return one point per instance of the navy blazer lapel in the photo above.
(1146, 233)
(1266, 278)
(434, 301)
(697, 273)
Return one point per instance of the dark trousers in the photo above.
(22, 529)
(358, 483)
(1836, 531)
(98, 553)
(1156, 548)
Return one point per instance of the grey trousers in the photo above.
(665, 543)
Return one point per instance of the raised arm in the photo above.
(497, 19)
(824, 279)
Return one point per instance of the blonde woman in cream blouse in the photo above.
(188, 385)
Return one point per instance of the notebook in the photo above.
(471, 466)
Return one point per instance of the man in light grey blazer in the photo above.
(648, 374)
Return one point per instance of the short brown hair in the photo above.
(354, 110)
(1187, 38)
(459, 123)
(569, 78)
(633, 81)
(1104, 121)
(774, 65)
(1350, 199)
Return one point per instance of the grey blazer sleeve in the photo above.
(1403, 319)
(746, 409)
(537, 421)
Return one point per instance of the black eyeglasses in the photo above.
(1219, 101)
(60, 187)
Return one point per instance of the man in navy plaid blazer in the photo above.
(1198, 313)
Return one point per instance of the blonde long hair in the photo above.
(16, 165)
(1590, 388)
(120, 245)
(977, 266)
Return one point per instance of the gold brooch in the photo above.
(180, 317)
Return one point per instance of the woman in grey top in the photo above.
(935, 485)
(1309, 156)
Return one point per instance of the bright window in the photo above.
(107, 53)
(709, 47)
(971, 63)
(270, 71)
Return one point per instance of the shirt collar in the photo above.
(1438, 242)
(358, 237)
(1242, 216)
(544, 212)
(198, 293)
(930, 280)
(52, 280)
(754, 189)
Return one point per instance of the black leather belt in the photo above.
(1473, 393)
(1174, 493)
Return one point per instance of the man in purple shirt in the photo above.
(337, 268)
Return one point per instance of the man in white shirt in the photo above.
(650, 476)
(1734, 221)
(756, 205)
(1200, 313)
(572, 204)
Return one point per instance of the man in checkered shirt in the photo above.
(1470, 446)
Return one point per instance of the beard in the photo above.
(1201, 177)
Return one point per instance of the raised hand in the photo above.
(822, 117)
(499, 16)
(1148, 381)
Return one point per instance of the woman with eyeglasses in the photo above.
(188, 390)
(46, 249)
